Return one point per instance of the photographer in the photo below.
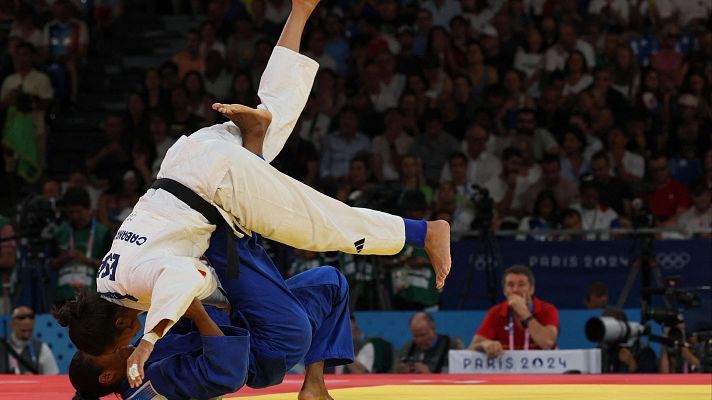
(82, 241)
(683, 359)
(630, 357)
(427, 352)
(25, 95)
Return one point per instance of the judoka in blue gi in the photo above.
(273, 325)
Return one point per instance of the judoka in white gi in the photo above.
(154, 264)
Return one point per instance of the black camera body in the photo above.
(25, 102)
(484, 208)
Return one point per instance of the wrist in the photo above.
(525, 321)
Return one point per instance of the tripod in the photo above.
(647, 266)
(32, 283)
(490, 252)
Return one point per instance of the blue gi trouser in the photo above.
(303, 318)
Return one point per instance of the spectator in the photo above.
(241, 43)
(481, 75)
(433, 146)
(242, 90)
(66, 41)
(339, 147)
(316, 50)
(699, 216)
(522, 321)
(458, 206)
(82, 241)
(543, 218)
(706, 179)
(411, 177)
(566, 191)
(530, 59)
(427, 352)
(314, 124)
(458, 170)
(181, 121)
(605, 96)
(628, 166)
(78, 179)
(155, 95)
(630, 357)
(117, 203)
(571, 220)
(389, 147)
(374, 355)
(299, 159)
(218, 80)
(136, 118)
(359, 182)
(626, 74)
(573, 164)
(160, 141)
(26, 95)
(576, 73)
(507, 187)
(24, 28)
(668, 61)
(7, 262)
(442, 11)
(670, 198)
(594, 216)
(113, 157)
(556, 56)
(263, 25)
(596, 296)
(210, 40)
(542, 141)
(481, 165)
(199, 101)
(21, 354)
(390, 80)
(612, 190)
(190, 58)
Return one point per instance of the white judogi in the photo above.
(155, 257)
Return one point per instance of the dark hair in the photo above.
(511, 152)
(76, 196)
(542, 197)
(596, 289)
(84, 375)
(520, 270)
(90, 321)
(600, 155)
(426, 315)
(550, 159)
(458, 155)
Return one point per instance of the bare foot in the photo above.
(253, 123)
(437, 245)
(314, 387)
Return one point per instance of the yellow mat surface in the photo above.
(513, 392)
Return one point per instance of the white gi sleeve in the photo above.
(284, 91)
(174, 288)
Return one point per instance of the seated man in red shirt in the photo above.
(521, 322)
(671, 198)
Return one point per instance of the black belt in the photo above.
(209, 211)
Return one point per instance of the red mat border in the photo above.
(57, 387)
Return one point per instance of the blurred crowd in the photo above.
(529, 115)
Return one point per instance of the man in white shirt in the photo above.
(555, 58)
(699, 216)
(481, 165)
(628, 166)
(35, 357)
(443, 11)
(594, 215)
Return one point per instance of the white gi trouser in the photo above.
(163, 273)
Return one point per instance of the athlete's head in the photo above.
(97, 376)
(97, 326)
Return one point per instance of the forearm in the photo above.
(543, 336)
(478, 343)
(207, 327)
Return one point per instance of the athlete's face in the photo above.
(113, 365)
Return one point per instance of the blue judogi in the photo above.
(276, 324)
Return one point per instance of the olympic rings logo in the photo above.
(673, 260)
